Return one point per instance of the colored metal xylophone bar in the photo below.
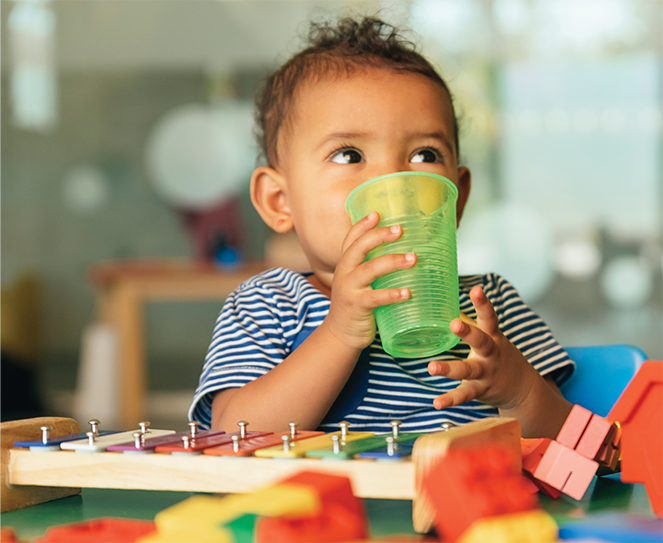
(218, 462)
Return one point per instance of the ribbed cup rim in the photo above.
(448, 182)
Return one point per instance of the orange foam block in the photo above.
(103, 530)
(342, 518)
(639, 410)
(474, 483)
(533, 451)
(566, 470)
(594, 436)
(574, 426)
(7, 535)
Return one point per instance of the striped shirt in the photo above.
(272, 313)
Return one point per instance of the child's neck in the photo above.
(318, 284)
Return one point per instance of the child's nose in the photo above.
(387, 167)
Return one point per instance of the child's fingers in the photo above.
(360, 227)
(457, 369)
(384, 296)
(369, 271)
(465, 392)
(356, 252)
(486, 317)
(481, 343)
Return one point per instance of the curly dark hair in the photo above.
(336, 49)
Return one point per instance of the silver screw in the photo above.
(94, 426)
(193, 425)
(446, 426)
(344, 429)
(396, 427)
(45, 432)
(390, 445)
(138, 442)
(185, 441)
(235, 439)
(336, 447)
(293, 429)
(286, 442)
(144, 425)
(90, 438)
(242, 428)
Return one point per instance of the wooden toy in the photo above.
(246, 447)
(429, 449)
(103, 530)
(95, 443)
(614, 526)
(144, 445)
(49, 443)
(472, 483)
(610, 452)
(386, 442)
(593, 438)
(195, 445)
(29, 472)
(346, 450)
(15, 497)
(569, 463)
(574, 426)
(566, 470)
(301, 448)
(396, 453)
(532, 452)
(639, 410)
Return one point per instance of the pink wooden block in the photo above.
(566, 470)
(595, 434)
(574, 426)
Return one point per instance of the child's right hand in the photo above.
(353, 301)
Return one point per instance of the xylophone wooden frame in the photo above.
(34, 477)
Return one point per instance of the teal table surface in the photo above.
(386, 517)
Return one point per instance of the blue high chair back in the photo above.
(601, 375)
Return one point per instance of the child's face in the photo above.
(345, 131)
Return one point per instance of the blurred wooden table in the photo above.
(122, 289)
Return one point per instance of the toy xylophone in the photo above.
(44, 464)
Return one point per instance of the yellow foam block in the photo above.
(206, 514)
(301, 447)
(529, 527)
(219, 536)
(280, 500)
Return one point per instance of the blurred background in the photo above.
(126, 137)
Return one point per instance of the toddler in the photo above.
(358, 103)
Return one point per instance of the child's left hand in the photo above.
(495, 372)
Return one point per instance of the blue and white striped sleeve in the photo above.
(247, 342)
(527, 331)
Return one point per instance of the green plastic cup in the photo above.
(424, 204)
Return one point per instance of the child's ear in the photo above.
(464, 186)
(269, 198)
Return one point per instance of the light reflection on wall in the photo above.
(31, 26)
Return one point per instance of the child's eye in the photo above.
(346, 156)
(426, 155)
